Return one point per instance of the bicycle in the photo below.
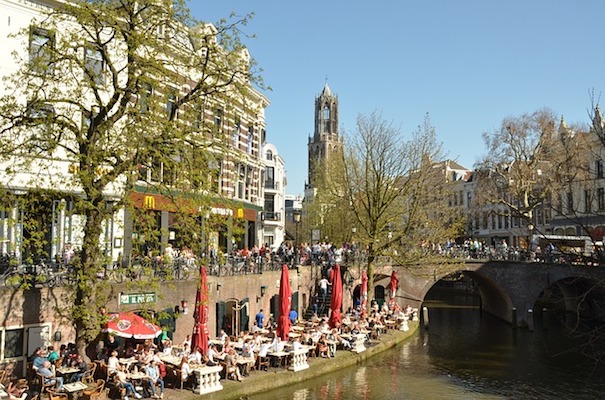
(28, 276)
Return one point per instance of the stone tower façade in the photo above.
(326, 140)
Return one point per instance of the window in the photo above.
(199, 110)
(236, 132)
(41, 43)
(587, 201)
(250, 139)
(270, 178)
(146, 91)
(601, 199)
(326, 118)
(269, 155)
(569, 202)
(171, 109)
(599, 168)
(94, 64)
(13, 343)
(218, 119)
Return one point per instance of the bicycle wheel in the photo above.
(116, 275)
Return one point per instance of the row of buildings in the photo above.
(247, 183)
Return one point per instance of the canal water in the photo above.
(467, 355)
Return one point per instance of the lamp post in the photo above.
(296, 216)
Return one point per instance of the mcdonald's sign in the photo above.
(149, 202)
(240, 213)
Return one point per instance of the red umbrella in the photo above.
(199, 338)
(285, 302)
(131, 325)
(364, 292)
(394, 284)
(336, 300)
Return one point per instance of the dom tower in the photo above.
(325, 141)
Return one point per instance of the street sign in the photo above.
(137, 298)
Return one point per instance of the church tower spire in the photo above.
(325, 140)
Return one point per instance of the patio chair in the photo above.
(263, 362)
(89, 375)
(45, 387)
(95, 393)
(52, 395)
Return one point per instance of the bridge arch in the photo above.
(581, 295)
(494, 298)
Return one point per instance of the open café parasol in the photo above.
(131, 325)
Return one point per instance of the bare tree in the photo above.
(529, 162)
(391, 188)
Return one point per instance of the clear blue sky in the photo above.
(468, 63)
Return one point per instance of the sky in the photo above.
(467, 63)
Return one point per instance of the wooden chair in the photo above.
(45, 387)
(177, 375)
(52, 395)
(96, 392)
(263, 362)
(100, 370)
(89, 375)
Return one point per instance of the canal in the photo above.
(467, 355)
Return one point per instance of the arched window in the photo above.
(326, 118)
(269, 155)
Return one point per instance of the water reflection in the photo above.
(464, 355)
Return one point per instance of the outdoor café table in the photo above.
(128, 362)
(173, 360)
(280, 356)
(208, 378)
(74, 389)
(297, 328)
(137, 379)
(357, 341)
(67, 372)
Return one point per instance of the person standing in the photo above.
(260, 317)
(323, 288)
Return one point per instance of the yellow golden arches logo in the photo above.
(149, 202)
(240, 213)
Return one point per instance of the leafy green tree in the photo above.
(109, 91)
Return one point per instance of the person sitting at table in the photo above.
(196, 356)
(82, 367)
(231, 364)
(122, 379)
(296, 345)
(167, 350)
(322, 347)
(17, 391)
(316, 334)
(53, 355)
(185, 351)
(153, 372)
(113, 363)
(212, 354)
(38, 359)
(187, 374)
(222, 336)
(187, 341)
(227, 345)
(49, 375)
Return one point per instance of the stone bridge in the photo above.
(509, 290)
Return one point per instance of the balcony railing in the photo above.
(272, 185)
(271, 216)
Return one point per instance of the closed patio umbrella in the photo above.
(336, 299)
(285, 302)
(364, 292)
(199, 336)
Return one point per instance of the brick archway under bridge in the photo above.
(509, 290)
